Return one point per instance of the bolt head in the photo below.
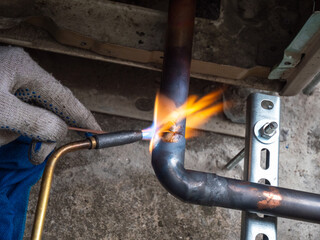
(268, 130)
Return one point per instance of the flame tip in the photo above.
(195, 110)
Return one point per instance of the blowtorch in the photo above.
(94, 142)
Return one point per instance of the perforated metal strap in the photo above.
(261, 161)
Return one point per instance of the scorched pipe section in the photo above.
(206, 188)
(177, 56)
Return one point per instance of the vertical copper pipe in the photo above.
(206, 188)
(178, 51)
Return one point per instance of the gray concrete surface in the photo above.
(124, 91)
(113, 193)
(246, 34)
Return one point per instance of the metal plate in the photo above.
(257, 115)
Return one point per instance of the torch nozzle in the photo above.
(115, 139)
(95, 142)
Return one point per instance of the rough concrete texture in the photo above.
(113, 193)
(246, 34)
(209, 9)
(125, 91)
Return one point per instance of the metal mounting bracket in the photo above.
(261, 160)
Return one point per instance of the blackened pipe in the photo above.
(177, 55)
(212, 190)
(206, 188)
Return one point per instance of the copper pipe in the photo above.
(86, 130)
(206, 188)
(47, 180)
(177, 56)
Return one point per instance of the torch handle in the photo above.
(116, 138)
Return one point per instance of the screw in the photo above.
(268, 130)
(234, 161)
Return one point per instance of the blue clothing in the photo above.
(17, 175)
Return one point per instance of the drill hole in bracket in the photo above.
(261, 236)
(264, 159)
(264, 181)
(266, 104)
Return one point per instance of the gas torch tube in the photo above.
(207, 188)
(94, 142)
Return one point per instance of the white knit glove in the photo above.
(34, 104)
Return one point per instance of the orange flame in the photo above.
(195, 110)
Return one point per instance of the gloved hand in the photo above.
(34, 104)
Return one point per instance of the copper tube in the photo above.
(46, 184)
(206, 188)
(86, 130)
(178, 50)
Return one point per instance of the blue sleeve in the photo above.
(17, 175)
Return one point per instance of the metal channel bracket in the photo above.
(262, 159)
